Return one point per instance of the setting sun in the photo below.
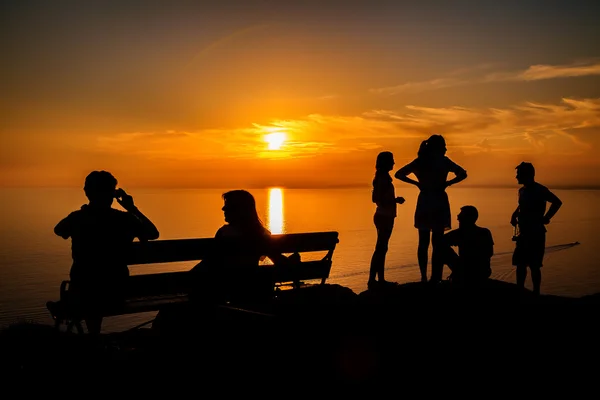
(275, 140)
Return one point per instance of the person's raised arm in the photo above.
(555, 204)
(64, 227)
(148, 229)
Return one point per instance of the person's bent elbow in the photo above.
(400, 174)
(59, 232)
(558, 203)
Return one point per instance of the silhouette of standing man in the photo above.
(100, 238)
(531, 218)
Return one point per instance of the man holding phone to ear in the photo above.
(100, 237)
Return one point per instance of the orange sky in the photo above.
(183, 95)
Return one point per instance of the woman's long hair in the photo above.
(422, 153)
(242, 207)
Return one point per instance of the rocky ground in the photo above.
(329, 335)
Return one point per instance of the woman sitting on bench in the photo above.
(233, 272)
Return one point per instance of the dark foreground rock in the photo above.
(415, 335)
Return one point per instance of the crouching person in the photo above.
(472, 265)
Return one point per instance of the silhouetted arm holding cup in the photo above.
(379, 195)
(148, 230)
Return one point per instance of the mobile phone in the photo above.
(119, 193)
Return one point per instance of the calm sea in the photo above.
(33, 261)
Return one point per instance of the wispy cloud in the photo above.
(417, 87)
(537, 72)
(533, 73)
(528, 127)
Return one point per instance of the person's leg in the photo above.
(374, 261)
(382, 246)
(422, 253)
(484, 274)
(437, 262)
(90, 299)
(536, 279)
(94, 325)
(384, 232)
(520, 261)
(538, 248)
(452, 260)
(375, 257)
(521, 276)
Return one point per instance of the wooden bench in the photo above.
(151, 292)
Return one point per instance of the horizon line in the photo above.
(341, 186)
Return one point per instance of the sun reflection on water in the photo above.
(275, 211)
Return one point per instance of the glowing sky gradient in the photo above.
(182, 93)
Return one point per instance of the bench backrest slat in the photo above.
(304, 271)
(163, 251)
(180, 281)
(304, 242)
